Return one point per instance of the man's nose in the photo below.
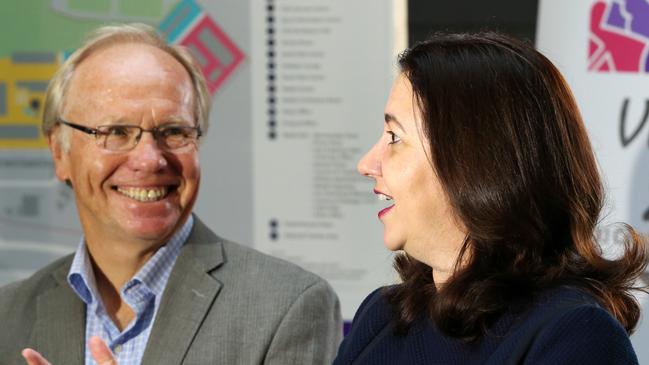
(370, 164)
(147, 155)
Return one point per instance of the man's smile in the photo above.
(145, 194)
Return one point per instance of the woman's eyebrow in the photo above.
(389, 118)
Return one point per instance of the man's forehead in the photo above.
(128, 70)
(131, 59)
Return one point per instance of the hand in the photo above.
(32, 357)
(98, 349)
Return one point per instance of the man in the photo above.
(123, 117)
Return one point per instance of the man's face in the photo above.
(145, 194)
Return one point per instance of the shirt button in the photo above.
(117, 349)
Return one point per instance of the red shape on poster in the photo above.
(217, 54)
(623, 52)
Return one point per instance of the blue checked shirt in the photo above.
(142, 293)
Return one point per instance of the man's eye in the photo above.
(394, 138)
(173, 131)
(117, 131)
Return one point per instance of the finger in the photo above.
(32, 357)
(100, 351)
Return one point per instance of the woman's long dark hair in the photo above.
(511, 151)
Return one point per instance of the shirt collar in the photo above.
(156, 270)
(153, 274)
(81, 277)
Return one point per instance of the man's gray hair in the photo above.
(116, 34)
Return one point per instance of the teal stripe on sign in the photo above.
(179, 19)
(18, 132)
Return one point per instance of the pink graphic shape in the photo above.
(610, 51)
(216, 67)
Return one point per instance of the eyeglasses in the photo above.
(120, 138)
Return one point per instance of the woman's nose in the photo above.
(370, 164)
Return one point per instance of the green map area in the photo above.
(36, 36)
(42, 25)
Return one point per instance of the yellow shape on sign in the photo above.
(23, 82)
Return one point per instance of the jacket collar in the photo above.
(59, 331)
(190, 293)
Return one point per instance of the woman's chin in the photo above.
(393, 244)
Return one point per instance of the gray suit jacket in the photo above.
(224, 304)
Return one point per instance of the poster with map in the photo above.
(298, 92)
(38, 220)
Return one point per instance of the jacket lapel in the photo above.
(187, 298)
(59, 331)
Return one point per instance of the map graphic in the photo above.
(38, 218)
(619, 36)
(23, 80)
(145, 11)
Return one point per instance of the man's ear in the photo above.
(60, 157)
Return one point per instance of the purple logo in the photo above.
(619, 36)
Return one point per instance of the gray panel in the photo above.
(639, 193)
(33, 85)
(214, 45)
(25, 168)
(19, 131)
(33, 57)
(225, 201)
(3, 98)
(38, 219)
(215, 74)
(30, 205)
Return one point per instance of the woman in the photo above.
(496, 196)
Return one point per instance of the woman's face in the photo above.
(419, 220)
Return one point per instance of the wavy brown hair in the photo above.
(511, 151)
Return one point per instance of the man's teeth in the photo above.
(144, 194)
(384, 197)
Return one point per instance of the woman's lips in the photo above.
(385, 211)
(382, 196)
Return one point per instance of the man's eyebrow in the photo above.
(116, 121)
(174, 119)
(389, 118)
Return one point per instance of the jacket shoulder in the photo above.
(566, 325)
(18, 304)
(580, 331)
(246, 265)
(371, 321)
(266, 309)
(33, 285)
(260, 266)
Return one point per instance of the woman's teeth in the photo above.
(384, 197)
(144, 194)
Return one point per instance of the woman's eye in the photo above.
(394, 138)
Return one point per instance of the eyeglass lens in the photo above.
(120, 138)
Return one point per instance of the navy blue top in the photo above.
(561, 326)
